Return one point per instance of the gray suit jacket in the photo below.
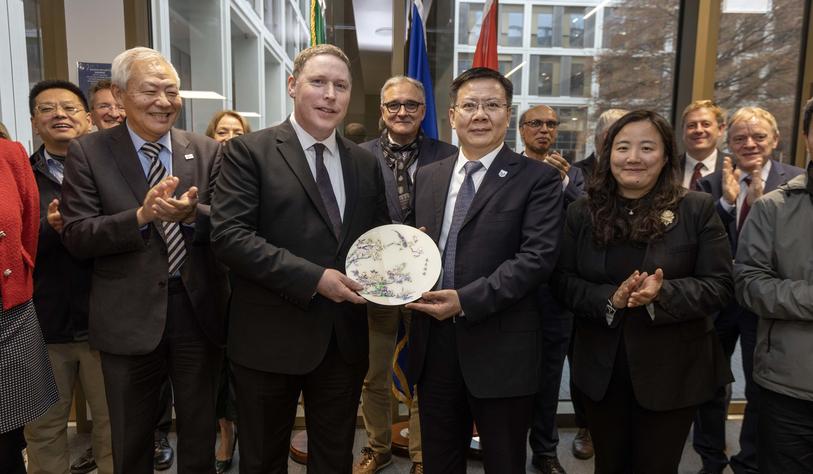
(103, 187)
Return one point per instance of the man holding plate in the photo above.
(474, 347)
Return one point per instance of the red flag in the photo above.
(485, 54)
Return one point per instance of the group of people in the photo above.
(160, 268)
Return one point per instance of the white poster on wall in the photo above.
(746, 6)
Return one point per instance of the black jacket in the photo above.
(61, 281)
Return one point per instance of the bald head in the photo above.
(538, 127)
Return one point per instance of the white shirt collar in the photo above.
(486, 160)
(307, 140)
(709, 163)
(766, 170)
(165, 140)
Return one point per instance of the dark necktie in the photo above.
(696, 177)
(326, 190)
(176, 250)
(745, 206)
(461, 207)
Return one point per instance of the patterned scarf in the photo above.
(399, 159)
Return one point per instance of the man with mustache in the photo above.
(401, 150)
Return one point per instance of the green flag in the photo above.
(317, 22)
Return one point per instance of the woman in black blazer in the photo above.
(645, 266)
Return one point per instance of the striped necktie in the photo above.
(176, 251)
(461, 207)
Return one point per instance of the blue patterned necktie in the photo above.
(176, 250)
(326, 190)
(461, 207)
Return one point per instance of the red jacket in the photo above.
(19, 224)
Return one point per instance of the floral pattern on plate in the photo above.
(395, 263)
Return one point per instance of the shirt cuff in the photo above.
(650, 308)
(726, 206)
(565, 182)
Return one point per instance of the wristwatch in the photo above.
(609, 312)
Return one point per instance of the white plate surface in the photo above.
(395, 263)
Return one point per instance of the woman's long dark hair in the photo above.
(608, 210)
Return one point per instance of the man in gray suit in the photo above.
(401, 150)
(134, 201)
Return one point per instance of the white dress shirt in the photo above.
(766, 170)
(333, 161)
(709, 165)
(458, 175)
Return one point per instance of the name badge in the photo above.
(189, 156)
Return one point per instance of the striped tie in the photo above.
(176, 250)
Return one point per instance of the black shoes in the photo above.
(547, 464)
(85, 463)
(163, 456)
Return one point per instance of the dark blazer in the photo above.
(103, 187)
(61, 281)
(675, 360)
(270, 227)
(587, 166)
(713, 184)
(506, 247)
(431, 151)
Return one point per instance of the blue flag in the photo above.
(419, 69)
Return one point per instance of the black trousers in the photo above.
(12, 444)
(133, 385)
(629, 439)
(785, 434)
(544, 434)
(266, 407)
(449, 410)
(709, 424)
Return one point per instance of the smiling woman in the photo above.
(644, 267)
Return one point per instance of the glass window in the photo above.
(471, 19)
(542, 26)
(511, 21)
(511, 133)
(33, 41)
(758, 57)
(507, 63)
(291, 30)
(544, 75)
(576, 31)
(272, 17)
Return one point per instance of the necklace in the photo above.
(629, 210)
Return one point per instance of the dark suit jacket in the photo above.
(713, 184)
(103, 187)
(61, 281)
(587, 166)
(270, 227)
(430, 152)
(675, 360)
(506, 247)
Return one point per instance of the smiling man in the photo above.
(58, 115)
(474, 346)
(105, 111)
(131, 200)
(703, 125)
(289, 202)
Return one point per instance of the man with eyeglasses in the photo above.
(105, 110)
(401, 150)
(474, 346)
(59, 114)
(539, 128)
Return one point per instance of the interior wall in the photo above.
(94, 31)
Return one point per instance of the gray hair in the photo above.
(395, 80)
(603, 124)
(123, 65)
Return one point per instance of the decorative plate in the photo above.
(395, 263)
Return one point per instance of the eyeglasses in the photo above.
(535, 124)
(48, 109)
(410, 106)
(490, 107)
(106, 108)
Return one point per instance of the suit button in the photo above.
(7, 272)
(2, 234)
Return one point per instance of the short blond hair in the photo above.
(306, 54)
(744, 114)
(719, 112)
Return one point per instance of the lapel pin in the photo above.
(502, 173)
(189, 156)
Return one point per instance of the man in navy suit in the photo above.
(401, 150)
(474, 347)
(752, 137)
